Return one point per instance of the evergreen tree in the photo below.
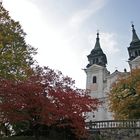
(16, 56)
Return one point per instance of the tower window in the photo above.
(97, 60)
(139, 52)
(94, 79)
(91, 62)
(130, 54)
(136, 53)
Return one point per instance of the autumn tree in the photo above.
(31, 97)
(45, 98)
(124, 97)
(16, 56)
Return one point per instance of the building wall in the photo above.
(100, 89)
(97, 90)
(135, 63)
(115, 134)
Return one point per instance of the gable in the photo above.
(95, 67)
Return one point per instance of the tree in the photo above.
(124, 97)
(16, 56)
(45, 98)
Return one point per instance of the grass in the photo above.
(22, 138)
(18, 138)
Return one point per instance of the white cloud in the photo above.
(22, 9)
(83, 14)
(109, 41)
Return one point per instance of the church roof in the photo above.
(134, 48)
(136, 59)
(134, 35)
(97, 56)
(135, 39)
(97, 44)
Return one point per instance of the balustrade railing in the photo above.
(126, 124)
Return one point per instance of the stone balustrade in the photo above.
(113, 124)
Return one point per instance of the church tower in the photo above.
(96, 78)
(97, 56)
(134, 50)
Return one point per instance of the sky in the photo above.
(64, 31)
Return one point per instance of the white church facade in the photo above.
(99, 80)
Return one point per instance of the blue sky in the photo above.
(64, 31)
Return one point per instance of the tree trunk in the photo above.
(36, 131)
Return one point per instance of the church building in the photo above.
(99, 80)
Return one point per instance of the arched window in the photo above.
(97, 60)
(94, 79)
(136, 53)
(139, 52)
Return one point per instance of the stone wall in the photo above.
(115, 134)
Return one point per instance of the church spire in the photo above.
(134, 48)
(97, 44)
(97, 56)
(134, 35)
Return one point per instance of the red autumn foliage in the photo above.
(47, 97)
